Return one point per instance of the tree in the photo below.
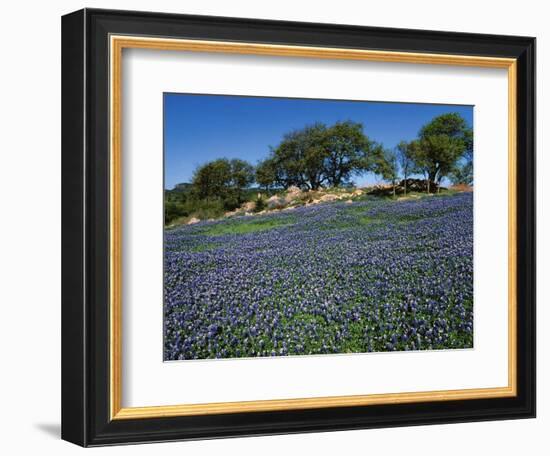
(212, 179)
(317, 155)
(346, 151)
(298, 159)
(463, 173)
(451, 124)
(266, 174)
(242, 176)
(386, 164)
(440, 145)
(223, 179)
(405, 161)
(436, 156)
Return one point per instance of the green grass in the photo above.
(244, 226)
(203, 247)
(356, 220)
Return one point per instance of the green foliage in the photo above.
(259, 204)
(451, 124)
(244, 225)
(298, 160)
(317, 156)
(463, 174)
(175, 205)
(266, 174)
(440, 144)
(405, 161)
(182, 202)
(346, 151)
(223, 180)
(385, 164)
(174, 210)
(437, 155)
(206, 209)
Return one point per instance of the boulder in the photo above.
(329, 197)
(292, 193)
(293, 189)
(193, 220)
(248, 206)
(275, 202)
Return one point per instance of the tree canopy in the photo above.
(223, 179)
(317, 155)
(386, 164)
(440, 144)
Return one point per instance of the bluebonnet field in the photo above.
(371, 276)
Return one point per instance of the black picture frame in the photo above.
(85, 228)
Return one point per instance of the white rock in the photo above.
(274, 202)
(293, 189)
(248, 206)
(193, 220)
(329, 197)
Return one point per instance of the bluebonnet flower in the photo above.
(333, 278)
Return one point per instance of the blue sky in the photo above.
(201, 128)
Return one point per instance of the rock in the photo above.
(275, 202)
(293, 189)
(349, 201)
(292, 193)
(313, 202)
(193, 220)
(248, 206)
(413, 185)
(329, 197)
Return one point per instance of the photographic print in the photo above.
(316, 227)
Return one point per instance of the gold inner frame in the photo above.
(117, 44)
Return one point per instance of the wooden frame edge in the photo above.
(165, 411)
(116, 45)
(115, 214)
(512, 227)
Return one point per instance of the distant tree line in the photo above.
(319, 155)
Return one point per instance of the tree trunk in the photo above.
(405, 185)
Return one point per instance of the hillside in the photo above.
(334, 277)
(259, 202)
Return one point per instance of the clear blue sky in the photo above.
(201, 128)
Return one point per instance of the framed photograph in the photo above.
(278, 227)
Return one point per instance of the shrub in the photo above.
(259, 204)
(174, 210)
